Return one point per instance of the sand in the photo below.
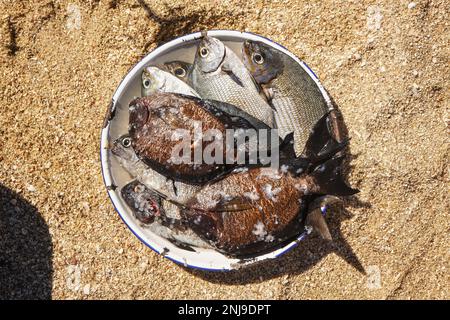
(386, 66)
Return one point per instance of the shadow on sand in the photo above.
(174, 24)
(25, 250)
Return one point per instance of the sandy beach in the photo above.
(386, 66)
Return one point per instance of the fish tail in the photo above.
(327, 179)
(320, 147)
(317, 221)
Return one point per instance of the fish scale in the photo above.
(224, 88)
(298, 103)
(174, 190)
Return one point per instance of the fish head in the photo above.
(153, 80)
(122, 148)
(179, 69)
(144, 202)
(138, 113)
(263, 62)
(209, 55)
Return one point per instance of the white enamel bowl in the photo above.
(182, 48)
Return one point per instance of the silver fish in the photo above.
(171, 190)
(219, 74)
(296, 98)
(157, 80)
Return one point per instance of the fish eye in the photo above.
(203, 52)
(180, 72)
(258, 58)
(146, 83)
(126, 142)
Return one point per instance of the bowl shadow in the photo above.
(26, 250)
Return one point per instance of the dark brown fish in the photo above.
(251, 211)
(158, 122)
(255, 210)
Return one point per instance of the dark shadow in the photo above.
(173, 24)
(25, 250)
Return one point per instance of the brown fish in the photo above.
(247, 212)
(254, 210)
(158, 122)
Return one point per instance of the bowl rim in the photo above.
(104, 140)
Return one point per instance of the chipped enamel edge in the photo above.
(232, 263)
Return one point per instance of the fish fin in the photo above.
(287, 146)
(328, 179)
(229, 113)
(324, 201)
(228, 70)
(321, 145)
(268, 92)
(229, 110)
(233, 205)
(181, 245)
(317, 221)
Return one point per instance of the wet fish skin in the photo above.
(240, 214)
(316, 219)
(243, 209)
(149, 207)
(142, 202)
(171, 190)
(219, 74)
(156, 80)
(296, 98)
(154, 119)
